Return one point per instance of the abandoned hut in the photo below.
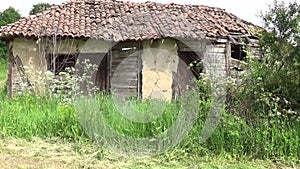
(118, 34)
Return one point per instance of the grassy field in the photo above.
(39, 132)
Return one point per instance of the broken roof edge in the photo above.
(219, 39)
(212, 26)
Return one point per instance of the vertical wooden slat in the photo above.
(10, 66)
(139, 72)
(228, 57)
(109, 67)
(184, 74)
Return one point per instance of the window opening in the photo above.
(238, 53)
(59, 62)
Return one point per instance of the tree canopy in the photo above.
(39, 8)
(281, 42)
(281, 38)
(271, 87)
(9, 15)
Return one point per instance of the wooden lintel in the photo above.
(233, 40)
(127, 44)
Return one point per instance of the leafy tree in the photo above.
(9, 15)
(282, 35)
(39, 8)
(272, 86)
(281, 42)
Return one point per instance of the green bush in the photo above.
(258, 123)
(3, 52)
(262, 119)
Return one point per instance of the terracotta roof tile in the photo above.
(120, 21)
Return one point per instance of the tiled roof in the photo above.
(121, 21)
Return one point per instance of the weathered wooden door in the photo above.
(125, 73)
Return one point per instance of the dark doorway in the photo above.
(189, 68)
(102, 75)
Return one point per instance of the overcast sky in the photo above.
(245, 9)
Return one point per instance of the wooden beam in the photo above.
(139, 72)
(228, 57)
(18, 63)
(10, 67)
(109, 67)
(237, 63)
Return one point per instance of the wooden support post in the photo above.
(10, 67)
(109, 67)
(228, 57)
(139, 71)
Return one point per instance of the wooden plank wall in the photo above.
(255, 48)
(215, 60)
(218, 54)
(125, 70)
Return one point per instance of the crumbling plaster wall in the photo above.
(32, 54)
(159, 60)
(27, 51)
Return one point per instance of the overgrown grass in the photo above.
(133, 118)
(31, 116)
(238, 137)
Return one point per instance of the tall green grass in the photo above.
(134, 118)
(31, 116)
(238, 138)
